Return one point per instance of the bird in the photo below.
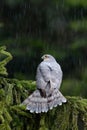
(48, 81)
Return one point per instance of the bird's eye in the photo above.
(46, 56)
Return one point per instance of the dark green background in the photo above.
(31, 28)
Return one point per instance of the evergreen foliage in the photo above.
(13, 116)
(3, 61)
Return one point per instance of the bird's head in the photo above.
(47, 57)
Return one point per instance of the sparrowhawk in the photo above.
(48, 81)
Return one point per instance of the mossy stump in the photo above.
(13, 116)
(70, 116)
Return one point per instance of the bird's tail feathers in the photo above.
(36, 103)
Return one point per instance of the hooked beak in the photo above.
(42, 57)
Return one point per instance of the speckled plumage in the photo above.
(48, 81)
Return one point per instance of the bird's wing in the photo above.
(45, 70)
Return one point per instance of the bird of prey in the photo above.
(48, 81)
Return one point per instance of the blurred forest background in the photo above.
(31, 28)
